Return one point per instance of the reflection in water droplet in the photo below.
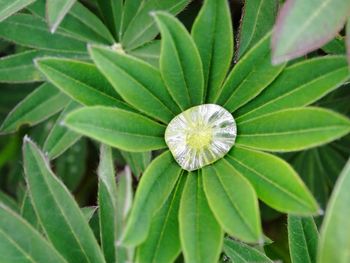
(201, 135)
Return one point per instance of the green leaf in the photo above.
(31, 31)
(163, 241)
(257, 20)
(212, 32)
(334, 239)
(348, 39)
(55, 12)
(149, 52)
(180, 63)
(39, 105)
(292, 129)
(107, 200)
(242, 253)
(142, 27)
(60, 216)
(274, 180)
(19, 68)
(8, 201)
(8, 8)
(298, 85)
(233, 201)
(153, 190)
(137, 82)
(118, 128)
(200, 234)
(21, 243)
(27, 211)
(138, 162)
(112, 13)
(335, 46)
(80, 23)
(81, 81)
(124, 203)
(60, 138)
(89, 212)
(303, 26)
(130, 9)
(251, 75)
(303, 239)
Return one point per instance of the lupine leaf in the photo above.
(8, 8)
(22, 243)
(154, 188)
(274, 180)
(348, 39)
(60, 216)
(130, 9)
(138, 162)
(242, 253)
(124, 204)
(233, 201)
(107, 199)
(111, 12)
(88, 212)
(303, 239)
(55, 12)
(27, 211)
(163, 242)
(80, 23)
(39, 105)
(298, 85)
(31, 31)
(81, 81)
(142, 27)
(180, 63)
(60, 138)
(118, 128)
(8, 201)
(252, 74)
(149, 52)
(212, 32)
(200, 234)
(257, 20)
(304, 26)
(137, 82)
(292, 129)
(334, 239)
(335, 46)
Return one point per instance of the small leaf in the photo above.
(213, 35)
(142, 27)
(348, 39)
(153, 190)
(130, 8)
(149, 52)
(274, 180)
(298, 85)
(138, 162)
(39, 105)
(55, 12)
(163, 242)
(200, 234)
(118, 128)
(257, 20)
(107, 200)
(335, 46)
(303, 26)
(89, 212)
(8, 201)
(233, 201)
(60, 138)
(112, 13)
(28, 213)
(8, 8)
(137, 82)
(21, 243)
(334, 239)
(292, 129)
(81, 81)
(241, 253)
(59, 214)
(180, 63)
(31, 31)
(303, 239)
(252, 74)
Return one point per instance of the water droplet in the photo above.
(201, 135)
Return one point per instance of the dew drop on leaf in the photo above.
(200, 135)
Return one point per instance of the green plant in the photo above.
(205, 137)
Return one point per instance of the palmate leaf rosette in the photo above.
(182, 208)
